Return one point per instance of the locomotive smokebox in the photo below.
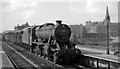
(58, 22)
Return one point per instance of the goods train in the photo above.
(51, 41)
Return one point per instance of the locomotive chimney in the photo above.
(58, 22)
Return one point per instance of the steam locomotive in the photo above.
(49, 41)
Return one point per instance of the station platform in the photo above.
(100, 54)
(4, 60)
(106, 57)
(93, 50)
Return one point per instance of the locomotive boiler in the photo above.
(48, 31)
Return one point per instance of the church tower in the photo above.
(107, 17)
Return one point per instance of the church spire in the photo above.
(107, 17)
(107, 21)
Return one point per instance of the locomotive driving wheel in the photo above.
(52, 55)
(37, 50)
(55, 57)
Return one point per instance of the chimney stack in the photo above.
(58, 22)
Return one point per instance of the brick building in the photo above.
(21, 27)
(78, 30)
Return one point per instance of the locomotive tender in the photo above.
(50, 41)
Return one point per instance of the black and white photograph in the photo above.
(59, 34)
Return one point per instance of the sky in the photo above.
(37, 12)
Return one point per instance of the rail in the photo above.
(14, 64)
(31, 61)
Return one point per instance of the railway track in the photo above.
(29, 59)
(17, 60)
(39, 62)
(32, 57)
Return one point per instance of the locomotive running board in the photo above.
(40, 43)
